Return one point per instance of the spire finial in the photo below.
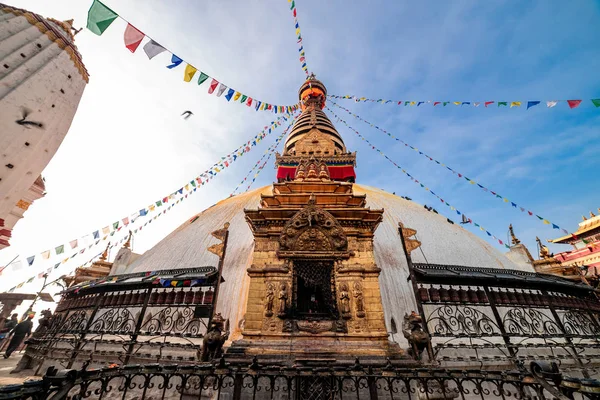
(514, 239)
(592, 215)
(583, 218)
(127, 244)
(104, 255)
(544, 252)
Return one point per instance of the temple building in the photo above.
(317, 271)
(586, 245)
(42, 78)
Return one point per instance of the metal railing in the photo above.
(221, 380)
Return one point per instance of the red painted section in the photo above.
(337, 173)
(592, 248)
(5, 232)
(1, 222)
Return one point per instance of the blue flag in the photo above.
(532, 103)
(229, 94)
(176, 61)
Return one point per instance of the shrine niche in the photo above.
(311, 230)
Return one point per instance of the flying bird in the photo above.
(187, 114)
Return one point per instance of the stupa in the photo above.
(42, 78)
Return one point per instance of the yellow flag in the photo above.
(457, 103)
(515, 104)
(505, 200)
(472, 182)
(236, 96)
(298, 31)
(189, 73)
(546, 222)
(412, 103)
(187, 187)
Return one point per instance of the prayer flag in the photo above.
(125, 221)
(189, 73)
(60, 249)
(551, 104)
(574, 103)
(132, 38)
(30, 260)
(46, 255)
(115, 225)
(221, 90)
(502, 103)
(229, 94)
(532, 103)
(213, 86)
(477, 103)
(249, 102)
(100, 17)
(153, 49)
(73, 243)
(596, 102)
(203, 77)
(96, 234)
(175, 61)
(105, 230)
(143, 212)
(244, 97)
(515, 104)
(258, 103)
(237, 96)
(487, 103)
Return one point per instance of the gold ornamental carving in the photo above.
(313, 229)
(217, 249)
(23, 205)
(411, 244)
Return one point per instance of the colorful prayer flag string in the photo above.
(189, 188)
(412, 178)
(458, 174)
(513, 104)
(302, 54)
(267, 152)
(100, 17)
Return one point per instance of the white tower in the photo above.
(42, 78)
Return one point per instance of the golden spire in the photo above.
(514, 239)
(544, 252)
(584, 218)
(592, 215)
(104, 255)
(128, 242)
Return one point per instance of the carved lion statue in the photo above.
(413, 331)
(217, 334)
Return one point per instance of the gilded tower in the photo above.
(314, 284)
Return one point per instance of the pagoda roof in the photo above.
(586, 226)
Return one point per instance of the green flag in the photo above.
(203, 77)
(100, 17)
(502, 103)
(244, 97)
(116, 225)
(596, 102)
(60, 249)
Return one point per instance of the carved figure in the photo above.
(359, 300)
(323, 172)
(344, 301)
(218, 333)
(413, 331)
(269, 298)
(283, 296)
(300, 174)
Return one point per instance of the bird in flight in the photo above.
(187, 114)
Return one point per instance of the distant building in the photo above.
(42, 78)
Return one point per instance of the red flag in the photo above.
(165, 200)
(294, 13)
(213, 86)
(487, 103)
(574, 103)
(249, 102)
(132, 38)
(126, 220)
(269, 108)
(435, 103)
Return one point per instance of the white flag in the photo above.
(477, 103)
(17, 265)
(551, 104)
(221, 89)
(153, 49)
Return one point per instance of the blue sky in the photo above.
(128, 145)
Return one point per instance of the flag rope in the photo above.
(100, 17)
(271, 148)
(302, 54)
(458, 174)
(513, 104)
(189, 188)
(412, 178)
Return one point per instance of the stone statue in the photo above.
(344, 301)
(217, 334)
(44, 324)
(413, 331)
(269, 298)
(282, 300)
(359, 300)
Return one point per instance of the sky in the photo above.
(128, 145)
